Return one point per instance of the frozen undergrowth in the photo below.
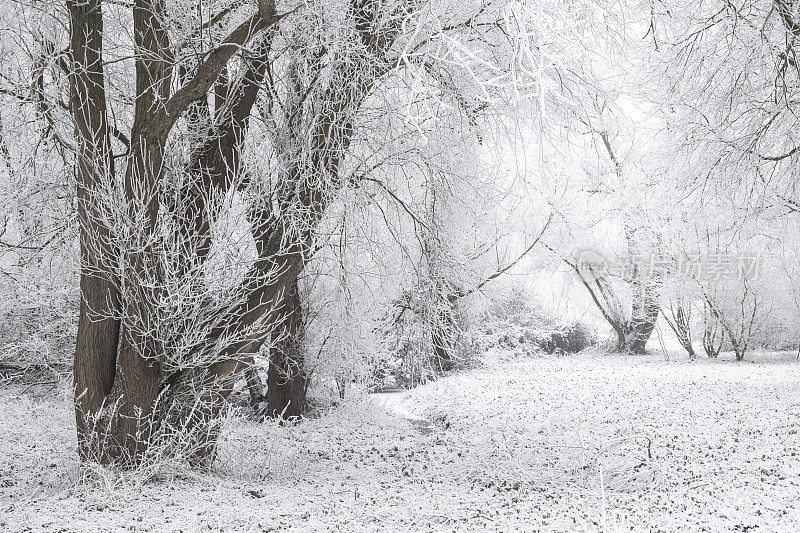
(516, 445)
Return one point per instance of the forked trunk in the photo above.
(645, 310)
(643, 329)
(444, 339)
(118, 364)
(632, 336)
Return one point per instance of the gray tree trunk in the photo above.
(98, 330)
(287, 382)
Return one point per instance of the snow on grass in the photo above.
(585, 443)
(711, 445)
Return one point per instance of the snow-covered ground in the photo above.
(581, 443)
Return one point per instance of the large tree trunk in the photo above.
(98, 327)
(638, 332)
(286, 381)
(646, 287)
(632, 335)
(644, 319)
(195, 399)
(139, 375)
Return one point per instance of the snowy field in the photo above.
(583, 443)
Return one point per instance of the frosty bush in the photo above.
(517, 323)
(567, 339)
(37, 333)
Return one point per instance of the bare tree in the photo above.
(739, 322)
(679, 321)
(713, 335)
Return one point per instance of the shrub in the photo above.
(37, 334)
(517, 323)
(568, 339)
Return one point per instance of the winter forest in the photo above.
(399, 265)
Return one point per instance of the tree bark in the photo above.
(286, 381)
(632, 335)
(137, 383)
(644, 318)
(98, 325)
(646, 286)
